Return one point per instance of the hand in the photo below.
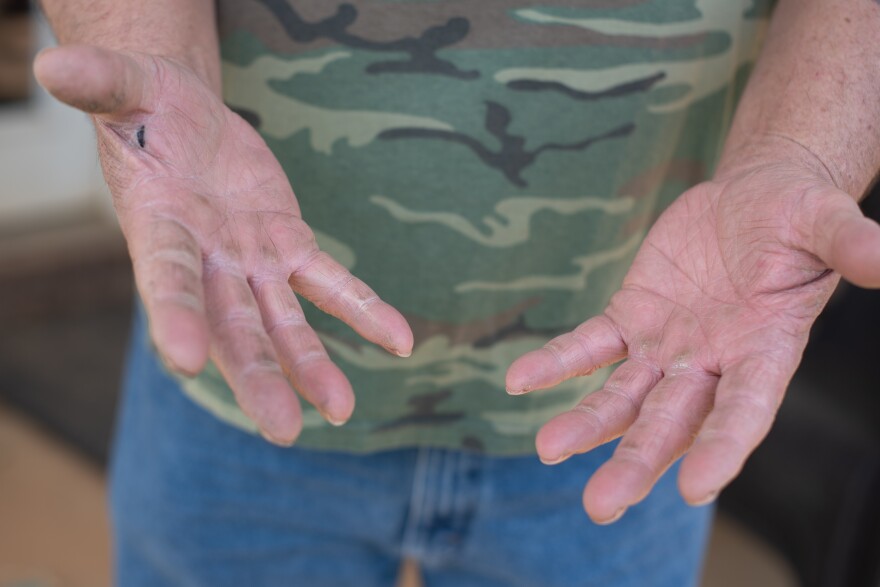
(712, 318)
(216, 237)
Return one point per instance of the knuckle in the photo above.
(239, 318)
(631, 455)
(179, 298)
(291, 321)
(589, 415)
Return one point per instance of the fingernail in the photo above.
(276, 441)
(175, 368)
(617, 515)
(324, 410)
(555, 461)
(336, 421)
(403, 354)
(518, 391)
(712, 496)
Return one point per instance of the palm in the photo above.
(715, 285)
(217, 240)
(712, 318)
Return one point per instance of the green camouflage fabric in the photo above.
(489, 167)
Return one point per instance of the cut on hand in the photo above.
(217, 242)
(711, 322)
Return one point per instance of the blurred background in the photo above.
(805, 512)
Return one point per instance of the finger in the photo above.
(245, 356)
(746, 403)
(836, 231)
(334, 290)
(594, 344)
(600, 417)
(95, 80)
(667, 423)
(302, 355)
(167, 263)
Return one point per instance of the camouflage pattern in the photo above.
(489, 167)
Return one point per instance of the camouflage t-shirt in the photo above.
(489, 167)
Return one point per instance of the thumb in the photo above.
(95, 80)
(842, 237)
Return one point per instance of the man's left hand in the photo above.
(712, 319)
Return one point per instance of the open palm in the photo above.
(216, 237)
(712, 319)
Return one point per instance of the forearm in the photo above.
(816, 85)
(184, 30)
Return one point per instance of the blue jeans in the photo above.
(198, 503)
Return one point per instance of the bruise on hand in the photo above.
(140, 137)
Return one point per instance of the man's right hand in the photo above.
(216, 237)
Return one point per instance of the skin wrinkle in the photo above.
(794, 213)
(209, 158)
(294, 320)
(656, 371)
(674, 304)
(186, 235)
(258, 280)
(261, 186)
(276, 254)
(334, 291)
(740, 342)
(552, 348)
(173, 256)
(583, 341)
(682, 364)
(165, 286)
(823, 217)
(766, 410)
(655, 415)
(708, 435)
(614, 388)
(256, 349)
(180, 298)
(237, 318)
(832, 177)
(259, 367)
(660, 414)
(255, 185)
(122, 194)
(233, 248)
(175, 109)
(163, 213)
(674, 264)
(556, 347)
(337, 288)
(632, 456)
(365, 304)
(619, 392)
(312, 356)
(314, 256)
(593, 416)
(215, 263)
(123, 143)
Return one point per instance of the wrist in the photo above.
(189, 38)
(204, 64)
(773, 149)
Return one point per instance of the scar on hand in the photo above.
(140, 137)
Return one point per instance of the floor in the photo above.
(54, 530)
